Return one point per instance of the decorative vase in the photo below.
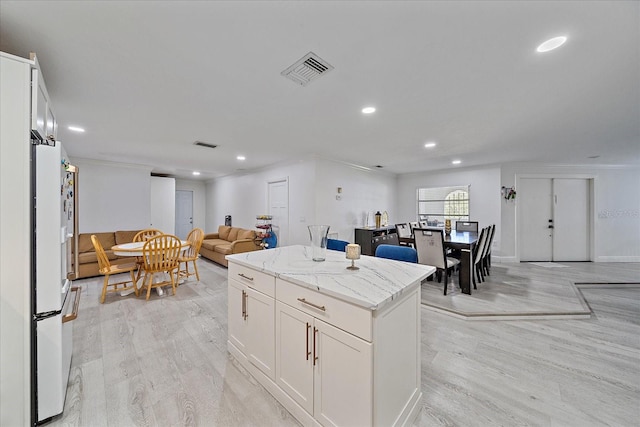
(447, 227)
(318, 235)
(378, 219)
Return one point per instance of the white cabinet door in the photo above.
(343, 372)
(260, 314)
(294, 370)
(237, 323)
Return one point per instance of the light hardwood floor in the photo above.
(164, 361)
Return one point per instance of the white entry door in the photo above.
(184, 213)
(278, 199)
(554, 217)
(571, 219)
(536, 216)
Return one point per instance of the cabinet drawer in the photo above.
(257, 280)
(348, 317)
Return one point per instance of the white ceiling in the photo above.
(147, 79)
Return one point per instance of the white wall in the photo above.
(484, 195)
(112, 196)
(363, 191)
(312, 191)
(616, 207)
(163, 204)
(245, 196)
(199, 200)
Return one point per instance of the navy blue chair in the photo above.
(399, 253)
(337, 245)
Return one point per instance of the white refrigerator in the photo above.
(54, 300)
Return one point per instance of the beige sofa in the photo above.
(228, 240)
(87, 260)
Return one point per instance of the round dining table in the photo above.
(134, 249)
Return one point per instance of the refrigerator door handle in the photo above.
(76, 305)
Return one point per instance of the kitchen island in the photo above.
(334, 346)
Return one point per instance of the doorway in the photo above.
(278, 205)
(184, 213)
(554, 217)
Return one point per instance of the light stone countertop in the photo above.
(376, 283)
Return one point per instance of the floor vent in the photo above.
(204, 144)
(307, 69)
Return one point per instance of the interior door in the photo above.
(536, 216)
(184, 213)
(278, 200)
(571, 218)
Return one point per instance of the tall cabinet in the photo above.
(17, 78)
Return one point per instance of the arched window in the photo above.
(456, 205)
(436, 204)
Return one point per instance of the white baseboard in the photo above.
(503, 259)
(618, 259)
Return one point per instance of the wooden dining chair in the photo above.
(145, 235)
(106, 269)
(190, 254)
(413, 225)
(431, 251)
(160, 255)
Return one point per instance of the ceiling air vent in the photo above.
(204, 144)
(307, 69)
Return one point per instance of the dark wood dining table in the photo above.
(463, 241)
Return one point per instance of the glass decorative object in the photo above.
(318, 235)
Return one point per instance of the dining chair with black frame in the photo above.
(404, 234)
(478, 252)
(467, 226)
(431, 251)
(384, 239)
(486, 254)
(160, 255)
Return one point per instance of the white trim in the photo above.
(503, 259)
(631, 258)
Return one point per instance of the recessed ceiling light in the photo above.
(456, 162)
(429, 145)
(241, 158)
(593, 157)
(368, 110)
(196, 173)
(76, 129)
(551, 44)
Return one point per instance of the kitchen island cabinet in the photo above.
(334, 346)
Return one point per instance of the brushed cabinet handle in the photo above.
(315, 357)
(245, 277)
(304, 301)
(244, 305)
(76, 305)
(307, 336)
